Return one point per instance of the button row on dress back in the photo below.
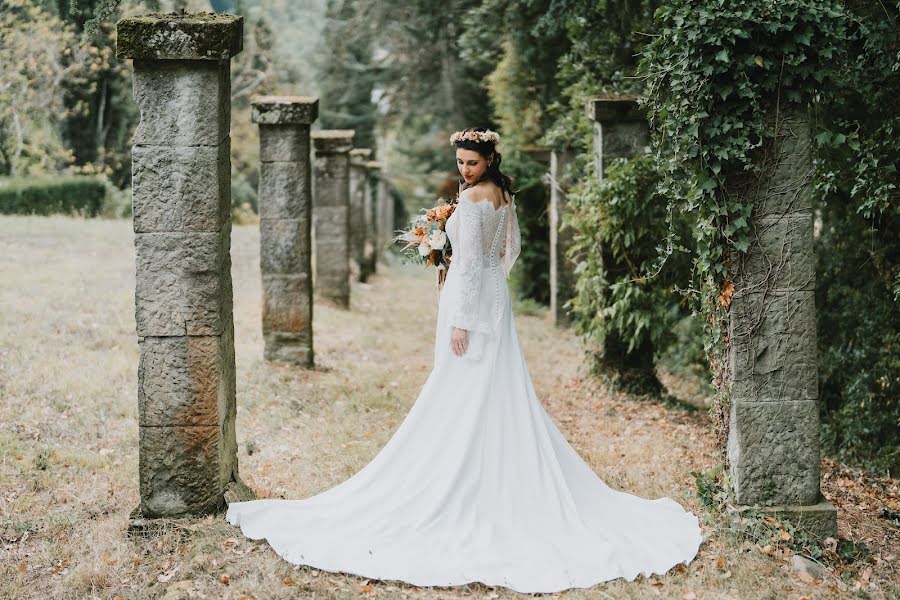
(494, 269)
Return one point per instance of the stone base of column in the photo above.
(139, 525)
(819, 520)
(238, 491)
(289, 348)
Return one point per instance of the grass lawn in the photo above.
(68, 437)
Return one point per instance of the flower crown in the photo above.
(475, 136)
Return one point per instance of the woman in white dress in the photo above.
(477, 483)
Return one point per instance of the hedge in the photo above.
(51, 195)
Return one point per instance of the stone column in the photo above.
(331, 214)
(621, 131)
(562, 269)
(359, 180)
(384, 209)
(187, 453)
(285, 225)
(773, 441)
(372, 248)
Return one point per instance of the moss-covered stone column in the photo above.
(359, 181)
(371, 250)
(285, 225)
(562, 269)
(773, 443)
(331, 214)
(384, 214)
(182, 222)
(621, 131)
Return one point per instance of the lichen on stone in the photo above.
(192, 36)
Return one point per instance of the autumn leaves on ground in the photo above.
(68, 438)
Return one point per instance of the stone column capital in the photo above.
(615, 108)
(284, 110)
(373, 166)
(359, 157)
(333, 141)
(180, 36)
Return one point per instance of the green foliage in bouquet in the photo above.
(425, 241)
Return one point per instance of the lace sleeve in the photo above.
(513, 245)
(468, 259)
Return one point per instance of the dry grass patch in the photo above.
(68, 432)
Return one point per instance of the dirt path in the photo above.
(68, 433)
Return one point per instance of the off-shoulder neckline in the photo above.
(486, 200)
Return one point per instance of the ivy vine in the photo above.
(716, 74)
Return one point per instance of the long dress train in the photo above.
(477, 484)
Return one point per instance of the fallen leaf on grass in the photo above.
(806, 577)
(225, 579)
(164, 577)
(287, 581)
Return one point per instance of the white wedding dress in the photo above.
(477, 483)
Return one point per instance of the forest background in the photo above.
(404, 75)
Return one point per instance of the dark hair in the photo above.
(485, 149)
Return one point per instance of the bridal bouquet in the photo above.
(426, 238)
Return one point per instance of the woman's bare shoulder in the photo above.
(486, 191)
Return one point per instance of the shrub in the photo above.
(50, 195)
(859, 337)
(621, 290)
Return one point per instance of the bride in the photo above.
(477, 483)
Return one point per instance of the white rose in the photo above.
(438, 239)
(424, 249)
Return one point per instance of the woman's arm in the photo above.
(468, 261)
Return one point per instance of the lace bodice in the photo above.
(484, 240)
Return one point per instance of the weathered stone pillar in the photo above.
(182, 222)
(331, 214)
(621, 131)
(773, 442)
(562, 269)
(359, 181)
(384, 209)
(285, 225)
(372, 249)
